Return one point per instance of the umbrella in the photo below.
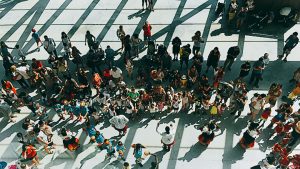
(285, 11)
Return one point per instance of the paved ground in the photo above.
(171, 18)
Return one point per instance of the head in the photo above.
(46, 37)
(216, 49)
(167, 129)
(108, 47)
(146, 23)
(33, 30)
(88, 32)
(198, 33)
(266, 56)
(295, 34)
(121, 27)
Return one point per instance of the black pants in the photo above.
(228, 63)
(195, 50)
(145, 2)
(184, 60)
(256, 77)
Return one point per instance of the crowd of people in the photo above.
(151, 87)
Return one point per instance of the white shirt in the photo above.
(168, 138)
(119, 121)
(116, 74)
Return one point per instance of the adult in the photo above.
(77, 59)
(29, 152)
(136, 42)
(197, 39)
(257, 103)
(65, 39)
(145, 3)
(120, 124)
(110, 56)
(92, 61)
(121, 35)
(17, 76)
(50, 46)
(176, 42)
(90, 39)
(213, 59)
(168, 137)
(127, 47)
(116, 73)
(6, 56)
(147, 32)
(245, 69)
(290, 43)
(241, 17)
(184, 56)
(295, 134)
(232, 54)
(296, 76)
(257, 71)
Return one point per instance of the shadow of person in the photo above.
(195, 151)
(139, 13)
(159, 155)
(234, 155)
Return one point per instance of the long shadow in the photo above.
(208, 23)
(232, 156)
(111, 20)
(23, 19)
(159, 154)
(8, 3)
(79, 22)
(195, 151)
(181, 19)
(177, 15)
(26, 33)
(48, 23)
(7, 9)
(144, 18)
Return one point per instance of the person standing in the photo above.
(168, 137)
(295, 134)
(176, 42)
(185, 54)
(241, 17)
(127, 48)
(110, 56)
(49, 46)
(151, 5)
(67, 44)
(147, 32)
(197, 39)
(90, 39)
(121, 35)
(213, 59)
(232, 54)
(136, 41)
(120, 124)
(291, 42)
(257, 71)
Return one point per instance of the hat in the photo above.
(183, 77)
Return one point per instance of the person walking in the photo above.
(257, 71)
(232, 54)
(50, 46)
(90, 39)
(6, 56)
(145, 4)
(136, 42)
(110, 56)
(127, 48)
(65, 39)
(35, 35)
(245, 69)
(213, 59)
(291, 42)
(184, 56)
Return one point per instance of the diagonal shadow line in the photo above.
(241, 44)
(21, 21)
(31, 24)
(177, 15)
(79, 22)
(178, 137)
(6, 4)
(181, 20)
(111, 20)
(208, 23)
(48, 23)
(280, 43)
(144, 18)
(7, 9)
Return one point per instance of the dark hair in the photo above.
(167, 129)
(295, 33)
(63, 132)
(126, 164)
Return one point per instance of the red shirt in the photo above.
(147, 30)
(279, 128)
(277, 148)
(284, 161)
(265, 114)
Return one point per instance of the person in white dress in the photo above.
(168, 137)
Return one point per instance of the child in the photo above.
(138, 152)
(100, 140)
(213, 110)
(120, 149)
